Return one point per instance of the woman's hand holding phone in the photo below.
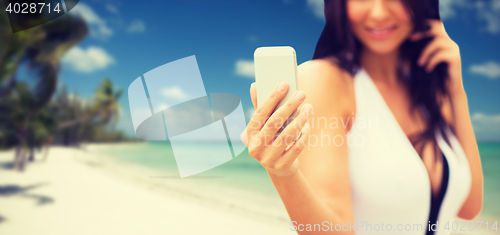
(277, 154)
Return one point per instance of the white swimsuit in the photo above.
(389, 181)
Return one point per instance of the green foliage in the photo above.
(23, 119)
(87, 120)
(18, 121)
(41, 49)
(30, 117)
(67, 119)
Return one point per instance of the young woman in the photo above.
(389, 145)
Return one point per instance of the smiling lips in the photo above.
(381, 33)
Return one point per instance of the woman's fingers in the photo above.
(437, 28)
(438, 50)
(290, 155)
(265, 109)
(430, 50)
(244, 137)
(420, 35)
(285, 138)
(292, 130)
(435, 60)
(280, 116)
(253, 95)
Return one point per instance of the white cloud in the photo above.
(489, 12)
(485, 119)
(137, 26)
(489, 69)
(245, 68)
(87, 60)
(317, 6)
(174, 93)
(486, 11)
(447, 8)
(112, 8)
(98, 26)
(486, 127)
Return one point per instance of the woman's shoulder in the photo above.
(327, 85)
(326, 66)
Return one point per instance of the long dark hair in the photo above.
(338, 44)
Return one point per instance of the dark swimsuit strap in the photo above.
(436, 202)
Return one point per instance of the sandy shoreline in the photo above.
(76, 192)
(82, 191)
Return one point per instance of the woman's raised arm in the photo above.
(316, 192)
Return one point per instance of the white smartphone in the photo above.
(274, 65)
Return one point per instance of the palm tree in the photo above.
(41, 132)
(107, 96)
(27, 127)
(14, 116)
(40, 49)
(104, 108)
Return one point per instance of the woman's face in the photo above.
(380, 25)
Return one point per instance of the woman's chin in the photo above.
(382, 49)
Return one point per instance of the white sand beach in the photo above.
(76, 192)
(81, 191)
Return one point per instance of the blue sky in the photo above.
(130, 38)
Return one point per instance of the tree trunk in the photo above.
(47, 146)
(17, 157)
(20, 158)
(87, 117)
(32, 155)
(22, 161)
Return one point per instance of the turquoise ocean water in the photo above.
(242, 172)
(245, 173)
(490, 161)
